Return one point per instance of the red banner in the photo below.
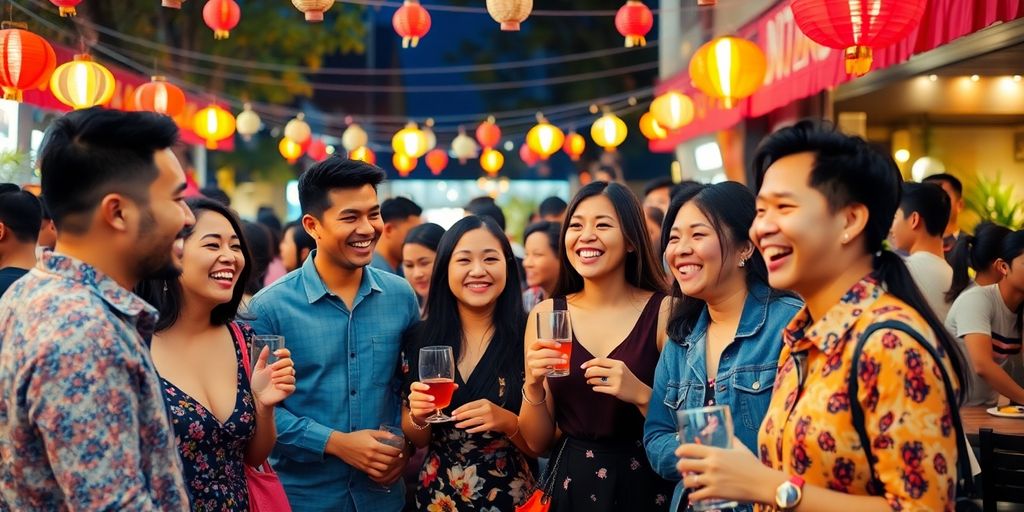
(799, 67)
(124, 99)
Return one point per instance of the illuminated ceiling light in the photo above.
(902, 156)
(1016, 78)
(708, 156)
(933, 78)
(975, 78)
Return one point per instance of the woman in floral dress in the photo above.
(478, 461)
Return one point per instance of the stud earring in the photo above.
(846, 238)
(743, 263)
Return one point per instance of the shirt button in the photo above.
(352, 355)
(756, 385)
(353, 392)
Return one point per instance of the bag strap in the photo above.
(965, 480)
(240, 342)
(548, 484)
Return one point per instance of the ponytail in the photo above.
(961, 260)
(978, 252)
(892, 273)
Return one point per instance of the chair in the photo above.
(1002, 468)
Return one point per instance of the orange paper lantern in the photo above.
(213, 124)
(363, 154)
(672, 110)
(728, 68)
(544, 139)
(291, 151)
(634, 20)
(528, 156)
(650, 128)
(437, 160)
(317, 150)
(491, 161)
(82, 83)
(609, 131)
(488, 134)
(160, 96)
(67, 7)
(26, 61)
(574, 145)
(171, 4)
(403, 163)
(222, 16)
(411, 21)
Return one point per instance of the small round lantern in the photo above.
(488, 134)
(464, 147)
(298, 129)
(672, 110)
(574, 146)
(437, 160)
(221, 16)
(728, 68)
(509, 13)
(248, 122)
(313, 9)
(354, 137)
(403, 163)
(609, 131)
(66, 7)
(634, 20)
(528, 156)
(650, 127)
(428, 132)
(491, 161)
(171, 4)
(317, 150)
(291, 151)
(410, 141)
(411, 21)
(161, 97)
(82, 83)
(213, 124)
(26, 61)
(544, 139)
(363, 154)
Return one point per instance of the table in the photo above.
(975, 418)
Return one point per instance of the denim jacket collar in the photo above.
(755, 312)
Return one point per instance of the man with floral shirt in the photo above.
(82, 418)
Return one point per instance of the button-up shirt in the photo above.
(346, 362)
(82, 420)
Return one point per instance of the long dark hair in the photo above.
(729, 206)
(167, 296)
(978, 251)
(847, 170)
(442, 324)
(642, 268)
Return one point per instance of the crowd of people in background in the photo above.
(838, 311)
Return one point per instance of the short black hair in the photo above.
(399, 208)
(487, 209)
(261, 248)
(552, 206)
(427, 234)
(552, 230)
(949, 179)
(215, 193)
(20, 212)
(300, 238)
(90, 153)
(46, 209)
(335, 172)
(930, 202)
(657, 183)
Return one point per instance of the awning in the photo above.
(799, 68)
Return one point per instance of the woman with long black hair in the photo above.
(978, 252)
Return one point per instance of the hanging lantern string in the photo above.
(535, 13)
(250, 64)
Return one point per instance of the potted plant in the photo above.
(995, 201)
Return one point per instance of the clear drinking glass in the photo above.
(273, 341)
(555, 326)
(437, 370)
(709, 426)
(396, 442)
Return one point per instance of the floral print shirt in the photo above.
(82, 420)
(808, 430)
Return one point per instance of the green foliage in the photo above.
(995, 201)
(15, 168)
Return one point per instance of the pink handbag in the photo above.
(266, 494)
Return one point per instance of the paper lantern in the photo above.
(488, 134)
(298, 129)
(213, 124)
(634, 20)
(707, 2)
(248, 123)
(574, 145)
(82, 83)
(313, 9)
(437, 160)
(430, 135)
(317, 150)
(411, 21)
(171, 4)
(464, 147)
(544, 139)
(67, 7)
(363, 154)
(354, 137)
(26, 61)
(650, 127)
(291, 151)
(160, 96)
(672, 110)
(728, 68)
(857, 26)
(491, 161)
(221, 16)
(528, 156)
(510, 13)
(403, 163)
(609, 131)
(410, 141)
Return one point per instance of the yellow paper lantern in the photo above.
(298, 130)
(609, 131)
(290, 150)
(313, 9)
(403, 163)
(509, 13)
(428, 132)
(491, 161)
(213, 124)
(248, 123)
(82, 83)
(354, 137)
(728, 68)
(574, 145)
(363, 154)
(650, 127)
(544, 139)
(410, 141)
(672, 110)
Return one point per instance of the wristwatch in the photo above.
(789, 494)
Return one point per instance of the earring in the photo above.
(743, 263)
(846, 238)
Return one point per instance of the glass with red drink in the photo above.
(555, 326)
(437, 370)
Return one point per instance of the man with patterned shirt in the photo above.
(82, 418)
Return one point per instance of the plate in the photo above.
(995, 411)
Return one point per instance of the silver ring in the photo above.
(696, 480)
(604, 379)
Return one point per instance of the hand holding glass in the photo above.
(554, 326)
(273, 341)
(709, 426)
(437, 370)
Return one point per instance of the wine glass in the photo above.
(437, 371)
(709, 426)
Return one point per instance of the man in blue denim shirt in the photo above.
(343, 322)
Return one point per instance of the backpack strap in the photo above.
(965, 480)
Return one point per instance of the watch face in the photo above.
(787, 495)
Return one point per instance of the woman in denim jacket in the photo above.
(726, 327)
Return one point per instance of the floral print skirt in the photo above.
(603, 477)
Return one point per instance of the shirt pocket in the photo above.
(753, 389)
(676, 394)
(384, 351)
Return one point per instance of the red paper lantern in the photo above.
(634, 20)
(857, 26)
(437, 160)
(26, 61)
(317, 149)
(488, 134)
(67, 7)
(160, 96)
(221, 16)
(411, 21)
(528, 156)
